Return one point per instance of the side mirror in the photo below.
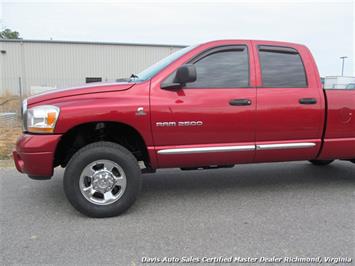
(184, 74)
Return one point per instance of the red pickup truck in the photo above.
(206, 106)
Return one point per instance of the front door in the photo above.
(212, 120)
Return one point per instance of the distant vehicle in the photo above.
(337, 82)
(350, 86)
(207, 106)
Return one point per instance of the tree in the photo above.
(9, 34)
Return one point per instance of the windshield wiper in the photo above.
(123, 80)
(133, 76)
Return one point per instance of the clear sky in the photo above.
(326, 27)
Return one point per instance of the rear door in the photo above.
(212, 120)
(290, 103)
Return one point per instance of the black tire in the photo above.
(102, 151)
(321, 162)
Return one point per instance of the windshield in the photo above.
(154, 69)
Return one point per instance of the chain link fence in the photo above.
(10, 123)
(10, 111)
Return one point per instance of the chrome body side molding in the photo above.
(300, 145)
(207, 149)
(281, 146)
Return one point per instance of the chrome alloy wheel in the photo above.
(102, 182)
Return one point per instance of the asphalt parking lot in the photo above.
(288, 209)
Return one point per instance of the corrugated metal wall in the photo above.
(33, 64)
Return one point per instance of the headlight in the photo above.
(41, 119)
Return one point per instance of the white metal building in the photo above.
(30, 66)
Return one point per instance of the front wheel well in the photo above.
(88, 133)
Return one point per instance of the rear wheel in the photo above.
(102, 179)
(321, 162)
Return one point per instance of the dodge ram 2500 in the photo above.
(206, 106)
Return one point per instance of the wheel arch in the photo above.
(86, 133)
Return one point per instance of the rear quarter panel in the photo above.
(339, 139)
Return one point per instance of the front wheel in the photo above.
(321, 162)
(102, 179)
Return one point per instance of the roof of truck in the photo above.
(140, 44)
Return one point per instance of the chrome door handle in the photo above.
(308, 101)
(240, 102)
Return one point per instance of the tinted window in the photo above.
(281, 67)
(223, 69)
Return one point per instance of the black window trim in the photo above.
(218, 49)
(214, 50)
(281, 50)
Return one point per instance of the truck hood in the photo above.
(88, 89)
